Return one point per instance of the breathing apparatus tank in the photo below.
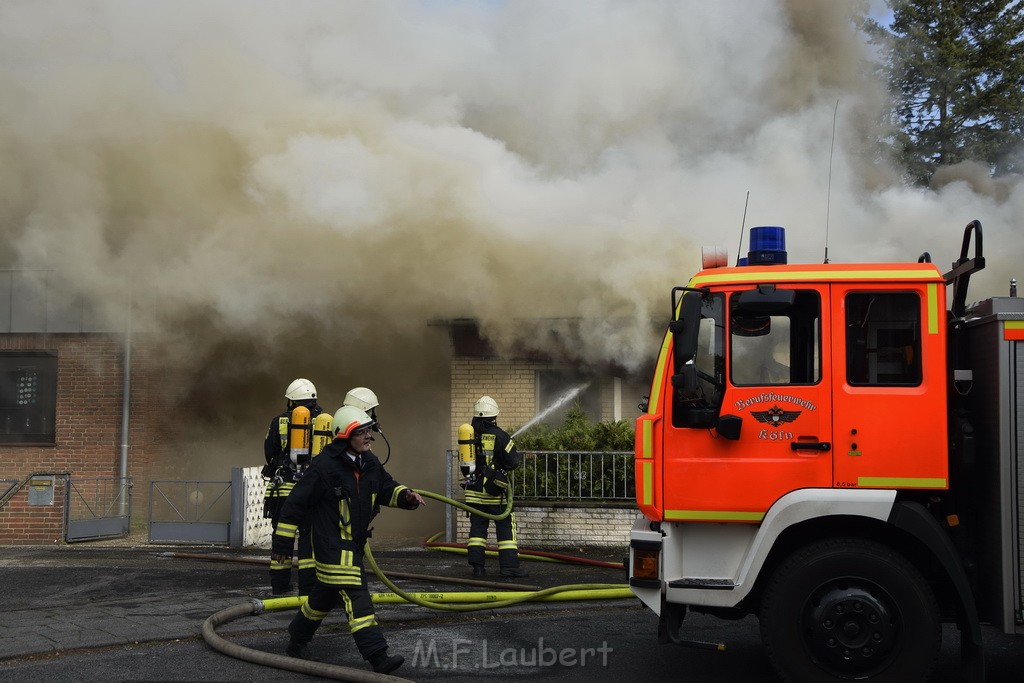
(299, 434)
(322, 433)
(467, 450)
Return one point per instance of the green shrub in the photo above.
(578, 433)
(572, 475)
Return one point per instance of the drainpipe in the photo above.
(126, 397)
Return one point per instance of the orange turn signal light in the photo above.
(645, 564)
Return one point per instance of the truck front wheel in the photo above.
(850, 609)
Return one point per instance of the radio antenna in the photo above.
(828, 193)
(743, 225)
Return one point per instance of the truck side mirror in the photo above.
(686, 380)
(685, 328)
(729, 426)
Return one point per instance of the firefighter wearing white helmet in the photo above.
(485, 407)
(362, 398)
(294, 437)
(495, 456)
(341, 493)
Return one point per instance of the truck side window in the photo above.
(780, 348)
(701, 409)
(883, 339)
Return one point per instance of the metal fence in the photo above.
(574, 476)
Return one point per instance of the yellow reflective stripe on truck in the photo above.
(903, 482)
(933, 308)
(647, 449)
(712, 516)
(782, 274)
(647, 485)
(659, 370)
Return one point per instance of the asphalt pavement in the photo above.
(130, 611)
(61, 601)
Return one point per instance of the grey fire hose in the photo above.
(302, 666)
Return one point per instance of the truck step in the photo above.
(711, 584)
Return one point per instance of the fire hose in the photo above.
(453, 602)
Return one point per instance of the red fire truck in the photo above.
(834, 449)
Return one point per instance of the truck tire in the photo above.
(850, 609)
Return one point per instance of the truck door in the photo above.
(764, 361)
(890, 395)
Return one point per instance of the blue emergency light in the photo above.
(767, 246)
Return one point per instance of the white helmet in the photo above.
(485, 407)
(361, 398)
(300, 390)
(348, 419)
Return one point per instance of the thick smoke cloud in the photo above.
(335, 176)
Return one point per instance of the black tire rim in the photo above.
(851, 628)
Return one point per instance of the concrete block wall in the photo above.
(563, 526)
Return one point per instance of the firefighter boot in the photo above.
(383, 663)
(296, 649)
(515, 573)
(478, 571)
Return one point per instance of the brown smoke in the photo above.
(299, 189)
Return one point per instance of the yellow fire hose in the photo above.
(461, 601)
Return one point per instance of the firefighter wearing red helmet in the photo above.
(496, 456)
(340, 494)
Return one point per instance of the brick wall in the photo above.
(33, 524)
(90, 376)
(513, 384)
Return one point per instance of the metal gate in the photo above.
(98, 507)
(190, 511)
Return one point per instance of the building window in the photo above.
(558, 391)
(28, 397)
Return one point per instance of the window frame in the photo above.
(43, 416)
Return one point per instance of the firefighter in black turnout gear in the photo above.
(288, 449)
(487, 488)
(340, 494)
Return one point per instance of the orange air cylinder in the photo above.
(299, 435)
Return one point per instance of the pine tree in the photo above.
(956, 71)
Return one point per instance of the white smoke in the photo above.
(365, 168)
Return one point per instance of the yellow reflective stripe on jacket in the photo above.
(487, 447)
(282, 431)
(394, 496)
(286, 530)
(279, 490)
(482, 498)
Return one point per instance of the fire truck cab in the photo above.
(833, 448)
